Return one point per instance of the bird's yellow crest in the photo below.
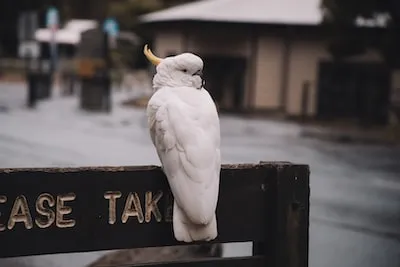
(151, 57)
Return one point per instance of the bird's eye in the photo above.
(184, 70)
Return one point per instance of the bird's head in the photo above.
(182, 70)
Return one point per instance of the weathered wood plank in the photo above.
(135, 256)
(256, 261)
(290, 217)
(89, 192)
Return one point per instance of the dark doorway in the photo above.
(354, 91)
(225, 80)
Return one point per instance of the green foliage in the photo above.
(345, 11)
(127, 11)
(340, 16)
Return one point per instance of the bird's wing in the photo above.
(188, 147)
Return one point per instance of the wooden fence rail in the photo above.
(62, 210)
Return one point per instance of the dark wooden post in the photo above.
(290, 198)
(31, 85)
(286, 244)
(32, 90)
(107, 73)
(94, 71)
(305, 92)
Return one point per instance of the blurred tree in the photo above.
(340, 16)
(87, 9)
(127, 11)
(9, 12)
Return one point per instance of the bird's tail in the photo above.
(185, 231)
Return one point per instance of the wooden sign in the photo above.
(45, 211)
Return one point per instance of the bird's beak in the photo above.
(200, 74)
(151, 57)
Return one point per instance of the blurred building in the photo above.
(70, 38)
(67, 38)
(272, 56)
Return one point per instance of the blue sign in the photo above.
(111, 27)
(52, 17)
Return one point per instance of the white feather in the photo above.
(184, 128)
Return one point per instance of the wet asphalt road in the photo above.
(355, 190)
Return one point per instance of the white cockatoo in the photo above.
(184, 128)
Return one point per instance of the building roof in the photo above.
(291, 12)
